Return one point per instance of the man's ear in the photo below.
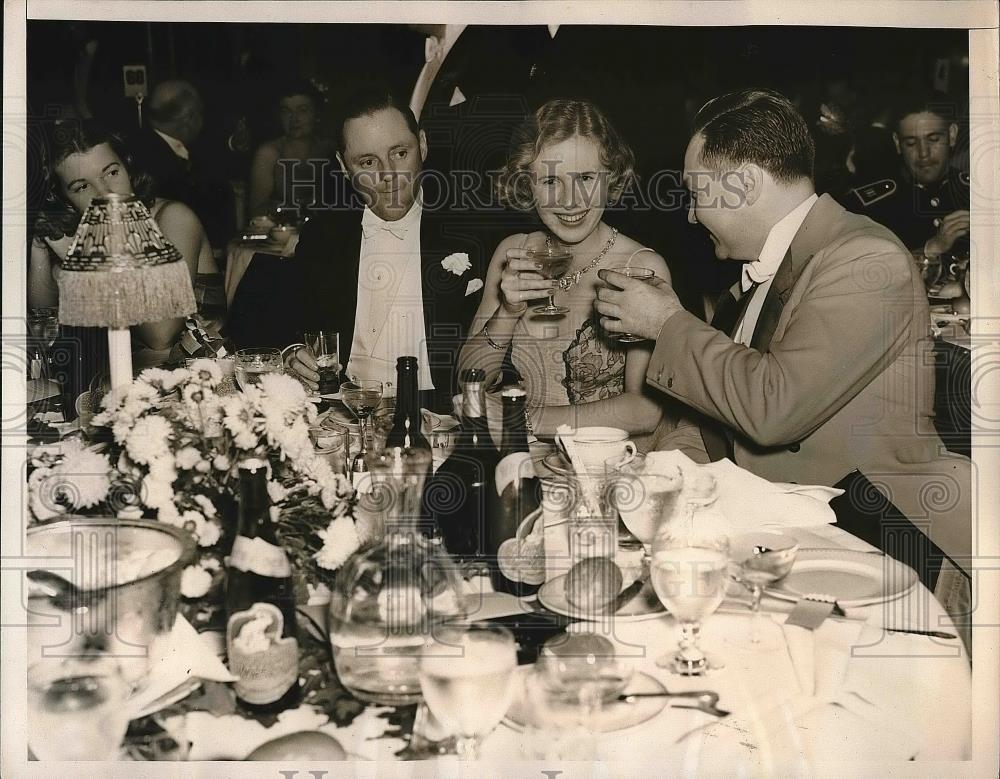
(752, 177)
(895, 140)
(952, 134)
(422, 141)
(343, 167)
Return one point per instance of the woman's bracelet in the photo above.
(493, 344)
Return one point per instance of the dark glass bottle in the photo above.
(516, 490)
(405, 431)
(458, 495)
(261, 634)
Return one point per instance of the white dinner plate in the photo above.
(613, 716)
(852, 578)
(643, 605)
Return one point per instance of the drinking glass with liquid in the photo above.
(251, 364)
(324, 346)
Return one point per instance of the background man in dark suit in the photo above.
(167, 149)
(391, 275)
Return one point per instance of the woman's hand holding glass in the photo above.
(521, 281)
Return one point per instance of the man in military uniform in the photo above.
(927, 204)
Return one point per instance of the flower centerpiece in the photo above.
(175, 444)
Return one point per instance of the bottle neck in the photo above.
(475, 428)
(515, 434)
(255, 504)
(406, 421)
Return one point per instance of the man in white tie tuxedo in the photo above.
(816, 363)
(388, 273)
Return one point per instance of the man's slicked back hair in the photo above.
(756, 126)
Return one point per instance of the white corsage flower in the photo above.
(458, 263)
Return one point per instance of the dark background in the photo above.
(650, 80)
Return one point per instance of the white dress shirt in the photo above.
(389, 319)
(435, 50)
(763, 269)
(176, 146)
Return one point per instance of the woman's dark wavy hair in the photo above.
(58, 217)
(554, 122)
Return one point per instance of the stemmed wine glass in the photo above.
(467, 677)
(362, 397)
(642, 274)
(762, 559)
(555, 260)
(690, 571)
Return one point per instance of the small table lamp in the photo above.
(120, 271)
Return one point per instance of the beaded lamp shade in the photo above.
(120, 270)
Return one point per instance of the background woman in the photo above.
(87, 161)
(283, 169)
(568, 163)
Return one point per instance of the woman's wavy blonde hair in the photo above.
(554, 122)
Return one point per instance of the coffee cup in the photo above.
(594, 445)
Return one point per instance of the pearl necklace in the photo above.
(574, 278)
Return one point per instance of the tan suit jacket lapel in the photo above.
(812, 236)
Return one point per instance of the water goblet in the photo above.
(762, 560)
(467, 677)
(555, 259)
(76, 708)
(642, 274)
(252, 364)
(689, 571)
(644, 500)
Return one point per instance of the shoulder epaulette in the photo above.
(874, 192)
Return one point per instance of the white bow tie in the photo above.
(396, 230)
(753, 273)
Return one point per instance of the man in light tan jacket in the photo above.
(816, 362)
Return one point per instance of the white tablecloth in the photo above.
(916, 695)
(920, 688)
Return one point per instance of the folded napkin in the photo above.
(749, 503)
(830, 700)
(188, 658)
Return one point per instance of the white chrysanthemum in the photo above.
(41, 495)
(195, 581)
(275, 491)
(175, 377)
(88, 472)
(205, 371)
(149, 439)
(195, 394)
(187, 458)
(238, 420)
(221, 462)
(121, 429)
(283, 394)
(340, 541)
(209, 533)
(205, 504)
(168, 513)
